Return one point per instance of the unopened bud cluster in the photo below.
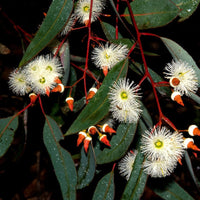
(85, 136)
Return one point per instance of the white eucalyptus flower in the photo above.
(124, 101)
(182, 77)
(18, 83)
(125, 165)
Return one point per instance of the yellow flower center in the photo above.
(49, 68)
(158, 144)
(124, 95)
(34, 68)
(21, 80)
(107, 56)
(86, 9)
(42, 80)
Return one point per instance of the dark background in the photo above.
(25, 171)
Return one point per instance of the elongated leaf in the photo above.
(53, 23)
(109, 31)
(8, 127)
(86, 169)
(195, 98)
(178, 53)
(190, 168)
(98, 107)
(62, 162)
(65, 59)
(105, 188)
(119, 144)
(187, 7)
(152, 13)
(136, 183)
(171, 191)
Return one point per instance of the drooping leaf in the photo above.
(65, 59)
(137, 181)
(187, 7)
(105, 188)
(8, 127)
(190, 168)
(87, 168)
(98, 107)
(171, 191)
(119, 144)
(61, 159)
(152, 13)
(178, 53)
(109, 31)
(57, 16)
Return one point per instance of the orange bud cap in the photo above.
(92, 130)
(59, 88)
(86, 22)
(32, 97)
(180, 161)
(86, 143)
(107, 129)
(104, 140)
(176, 96)
(189, 144)
(47, 90)
(174, 81)
(57, 80)
(105, 70)
(70, 102)
(193, 130)
(91, 93)
(81, 136)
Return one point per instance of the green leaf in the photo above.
(190, 168)
(195, 97)
(65, 59)
(99, 105)
(119, 144)
(105, 188)
(57, 16)
(62, 161)
(87, 168)
(178, 53)
(8, 127)
(137, 181)
(187, 8)
(171, 191)
(152, 13)
(109, 31)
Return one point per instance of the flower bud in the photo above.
(59, 88)
(105, 70)
(107, 129)
(189, 144)
(176, 96)
(103, 138)
(92, 130)
(57, 80)
(91, 93)
(81, 136)
(32, 97)
(70, 102)
(86, 143)
(193, 130)
(174, 81)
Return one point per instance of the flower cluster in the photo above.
(182, 77)
(162, 149)
(124, 101)
(40, 76)
(85, 136)
(105, 57)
